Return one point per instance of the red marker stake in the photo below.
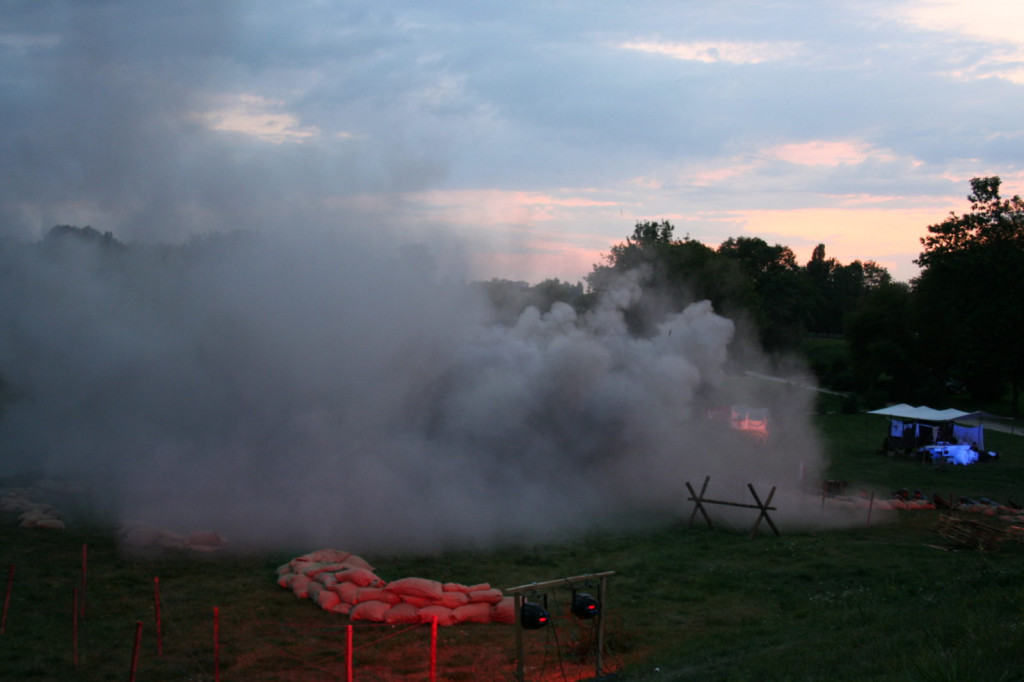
(433, 650)
(216, 644)
(74, 627)
(85, 571)
(7, 600)
(135, 650)
(159, 628)
(348, 653)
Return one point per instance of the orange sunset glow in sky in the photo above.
(526, 138)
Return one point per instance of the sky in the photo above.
(522, 139)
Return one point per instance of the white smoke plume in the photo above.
(308, 394)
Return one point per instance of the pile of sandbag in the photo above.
(136, 535)
(31, 514)
(344, 583)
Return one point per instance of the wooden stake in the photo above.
(159, 627)
(871, 505)
(135, 651)
(7, 600)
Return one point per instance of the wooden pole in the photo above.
(871, 505)
(348, 653)
(159, 626)
(7, 599)
(216, 644)
(433, 650)
(135, 651)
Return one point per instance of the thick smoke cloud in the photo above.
(312, 392)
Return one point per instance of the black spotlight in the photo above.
(584, 606)
(533, 616)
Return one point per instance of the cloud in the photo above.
(824, 153)
(258, 117)
(998, 25)
(710, 52)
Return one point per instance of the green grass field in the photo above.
(892, 600)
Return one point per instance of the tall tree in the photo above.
(781, 312)
(969, 291)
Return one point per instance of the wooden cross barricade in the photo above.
(764, 507)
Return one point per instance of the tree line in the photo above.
(957, 327)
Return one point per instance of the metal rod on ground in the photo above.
(159, 627)
(216, 644)
(433, 650)
(348, 653)
(135, 650)
(7, 599)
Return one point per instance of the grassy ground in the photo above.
(889, 601)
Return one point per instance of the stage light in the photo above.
(533, 616)
(584, 606)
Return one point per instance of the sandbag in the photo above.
(453, 600)
(504, 611)
(491, 596)
(455, 587)
(478, 612)
(347, 591)
(341, 608)
(444, 615)
(376, 594)
(300, 586)
(369, 610)
(417, 587)
(328, 599)
(402, 614)
(360, 576)
(418, 602)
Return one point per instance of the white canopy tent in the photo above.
(912, 427)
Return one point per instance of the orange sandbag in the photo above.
(342, 608)
(328, 599)
(417, 587)
(285, 580)
(360, 576)
(418, 602)
(376, 594)
(313, 589)
(369, 610)
(491, 596)
(300, 586)
(479, 612)
(453, 600)
(444, 615)
(504, 611)
(402, 614)
(347, 591)
(455, 587)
